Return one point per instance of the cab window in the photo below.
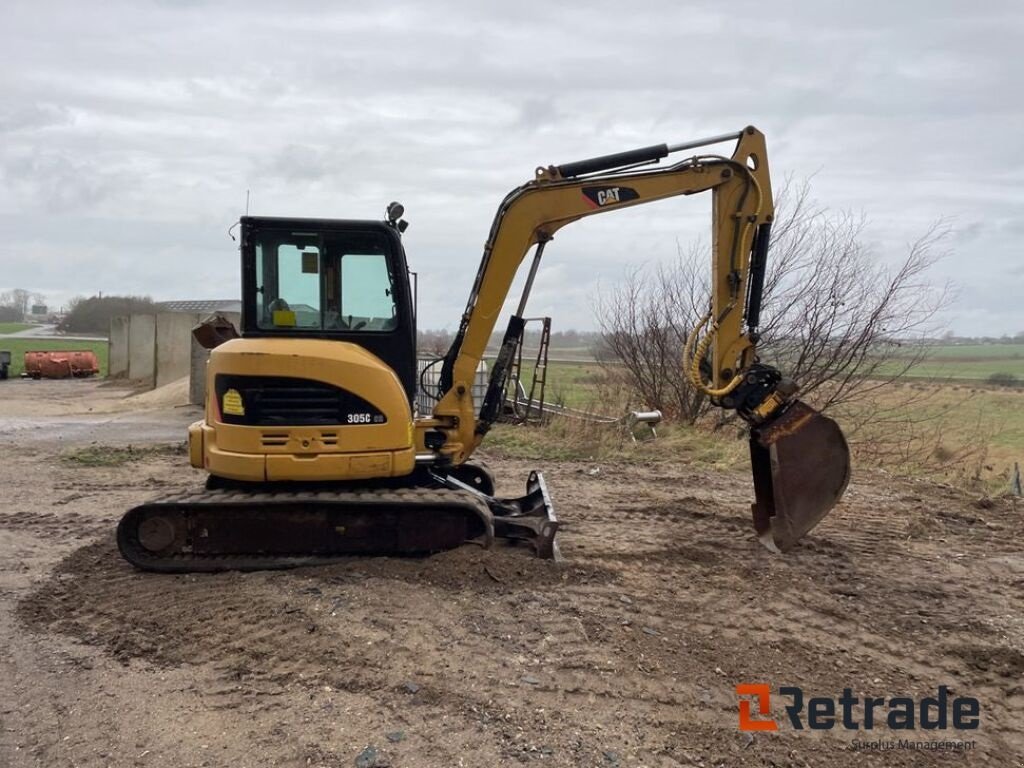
(367, 302)
(325, 281)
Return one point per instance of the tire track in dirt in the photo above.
(323, 629)
(53, 525)
(633, 648)
(868, 586)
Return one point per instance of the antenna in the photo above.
(247, 202)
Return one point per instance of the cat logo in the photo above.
(599, 197)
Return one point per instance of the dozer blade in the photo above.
(801, 467)
(529, 518)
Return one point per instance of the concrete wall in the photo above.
(118, 363)
(174, 345)
(197, 377)
(197, 380)
(160, 349)
(142, 347)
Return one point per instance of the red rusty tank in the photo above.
(61, 365)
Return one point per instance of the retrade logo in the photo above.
(938, 712)
(762, 698)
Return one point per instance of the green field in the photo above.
(18, 347)
(965, 369)
(576, 385)
(944, 362)
(969, 362)
(977, 351)
(943, 421)
(954, 431)
(13, 327)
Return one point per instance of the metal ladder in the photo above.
(538, 382)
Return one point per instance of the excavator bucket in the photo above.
(801, 467)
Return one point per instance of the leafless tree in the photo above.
(93, 314)
(645, 322)
(433, 343)
(840, 321)
(18, 300)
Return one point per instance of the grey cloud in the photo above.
(32, 117)
(296, 162)
(55, 180)
(142, 124)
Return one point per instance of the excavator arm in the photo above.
(800, 459)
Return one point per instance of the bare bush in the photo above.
(839, 321)
(909, 432)
(645, 322)
(1003, 379)
(10, 314)
(14, 305)
(433, 343)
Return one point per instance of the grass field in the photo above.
(960, 433)
(13, 327)
(943, 421)
(977, 351)
(960, 369)
(573, 384)
(969, 362)
(18, 347)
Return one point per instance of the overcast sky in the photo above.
(130, 131)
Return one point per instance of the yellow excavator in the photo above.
(311, 439)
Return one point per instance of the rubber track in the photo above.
(265, 502)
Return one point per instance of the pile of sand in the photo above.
(175, 393)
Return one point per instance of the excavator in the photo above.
(311, 438)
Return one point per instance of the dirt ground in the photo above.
(626, 655)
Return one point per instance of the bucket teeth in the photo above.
(801, 465)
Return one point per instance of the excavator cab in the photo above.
(342, 280)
